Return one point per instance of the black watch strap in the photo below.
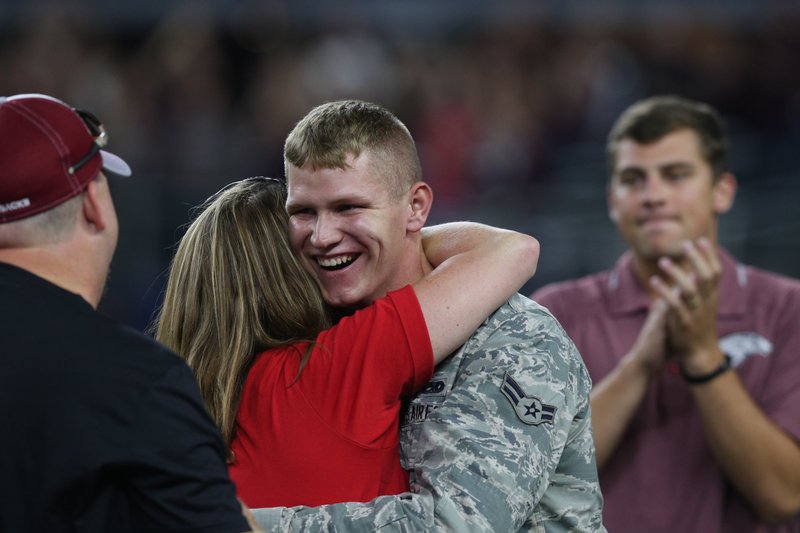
(705, 378)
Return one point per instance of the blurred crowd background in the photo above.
(509, 101)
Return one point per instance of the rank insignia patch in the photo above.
(529, 409)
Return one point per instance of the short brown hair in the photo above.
(651, 119)
(332, 131)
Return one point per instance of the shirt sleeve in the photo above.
(178, 471)
(547, 296)
(510, 446)
(783, 395)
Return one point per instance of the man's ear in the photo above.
(611, 203)
(724, 192)
(93, 213)
(420, 200)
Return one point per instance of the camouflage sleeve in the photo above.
(403, 513)
(510, 446)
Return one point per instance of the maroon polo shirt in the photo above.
(663, 476)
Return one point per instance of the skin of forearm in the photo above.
(442, 241)
(614, 402)
(758, 457)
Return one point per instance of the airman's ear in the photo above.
(420, 200)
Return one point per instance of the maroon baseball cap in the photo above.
(49, 152)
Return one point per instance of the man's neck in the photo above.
(425, 266)
(414, 266)
(59, 267)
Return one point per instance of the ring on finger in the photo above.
(692, 301)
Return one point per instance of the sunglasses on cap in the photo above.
(97, 131)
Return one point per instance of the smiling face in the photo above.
(358, 240)
(663, 193)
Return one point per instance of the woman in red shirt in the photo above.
(309, 411)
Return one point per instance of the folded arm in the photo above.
(477, 268)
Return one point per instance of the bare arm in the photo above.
(477, 268)
(616, 398)
(757, 456)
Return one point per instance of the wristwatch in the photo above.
(705, 378)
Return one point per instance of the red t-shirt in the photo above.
(332, 435)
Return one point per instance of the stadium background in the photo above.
(509, 101)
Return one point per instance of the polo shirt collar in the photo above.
(625, 296)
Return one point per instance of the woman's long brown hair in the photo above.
(236, 289)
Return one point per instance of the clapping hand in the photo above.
(691, 291)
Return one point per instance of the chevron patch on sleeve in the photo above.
(529, 409)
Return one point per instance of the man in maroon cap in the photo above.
(103, 429)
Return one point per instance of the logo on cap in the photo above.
(13, 206)
(49, 152)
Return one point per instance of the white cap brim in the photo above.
(114, 163)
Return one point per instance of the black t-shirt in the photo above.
(103, 429)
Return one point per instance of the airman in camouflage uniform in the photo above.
(499, 440)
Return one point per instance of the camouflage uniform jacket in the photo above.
(499, 440)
